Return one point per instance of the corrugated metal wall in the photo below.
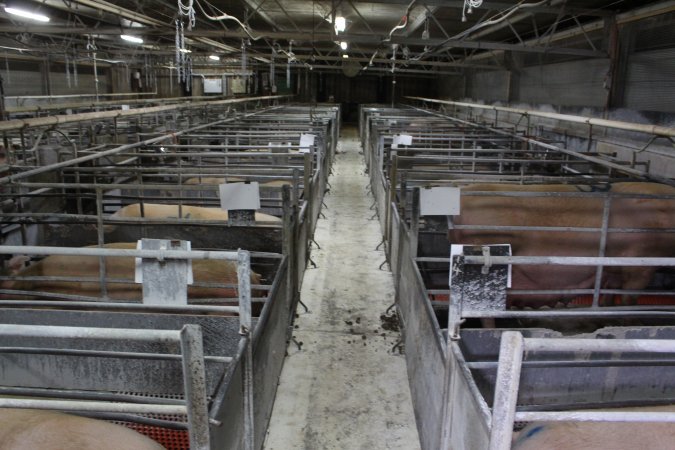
(490, 86)
(650, 81)
(576, 83)
(26, 78)
(85, 84)
(452, 86)
(23, 82)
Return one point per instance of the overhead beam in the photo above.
(398, 62)
(633, 15)
(201, 36)
(256, 9)
(419, 20)
(387, 71)
(142, 18)
(490, 5)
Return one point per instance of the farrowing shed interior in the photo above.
(327, 224)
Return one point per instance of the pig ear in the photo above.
(17, 263)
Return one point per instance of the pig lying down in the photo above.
(596, 436)
(654, 215)
(223, 180)
(118, 268)
(30, 429)
(161, 211)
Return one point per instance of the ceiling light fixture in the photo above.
(214, 57)
(345, 56)
(26, 14)
(340, 24)
(343, 45)
(184, 50)
(134, 39)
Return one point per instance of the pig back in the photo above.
(30, 429)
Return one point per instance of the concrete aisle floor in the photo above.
(344, 389)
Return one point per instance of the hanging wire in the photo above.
(189, 11)
(9, 78)
(225, 16)
(67, 70)
(178, 52)
(75, 79)
(147, 72)
(468, 7)
(188, 73)
(291, 57)
(243, 56)
(272, 75)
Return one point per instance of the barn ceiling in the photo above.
(423, 36)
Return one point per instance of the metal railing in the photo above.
(513, 349)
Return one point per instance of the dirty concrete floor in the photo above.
(345, 388)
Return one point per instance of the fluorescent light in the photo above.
(184, 50)
(214, 57)
(340, 24)
(345, 56)
(343, 45)
(27, 14)
(134, 39)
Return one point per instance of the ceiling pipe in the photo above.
(655, 130)
(18, 124)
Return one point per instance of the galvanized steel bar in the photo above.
(619, 125)
(600, 345)
(189, 309)
(17, 124)
(506, 390)
(194, 379)
(73, 394)
(601, 250)
(120, 334)
(106, 354)
(97, 155)
(72, 405)
(112, 252)
(243, 273)
(573, 260)
(596, 416)
(604, 313)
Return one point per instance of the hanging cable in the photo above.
(402, 23)
(272, 75)
(91, 46)
(189, 11)
(494, 20)
(243, 56)
(225, 16)
(75, 79)
(291, 57)
(9, 78)
(468, 7)
(65, 57)
(178, 52)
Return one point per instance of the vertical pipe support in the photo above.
(506, 392)
(194, 379)
(244, 275)
(603, 248)
(101, 242)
